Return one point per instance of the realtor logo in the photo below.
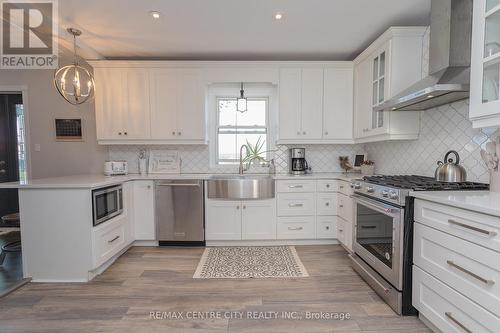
(29, 34)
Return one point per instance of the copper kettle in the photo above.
(450, 171)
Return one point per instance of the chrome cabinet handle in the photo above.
(327, 204)
(466, 271)
(244, 207)
(482, 231)
(119, 133)
(304, 133)
(341, 206)
(114, 239)
(459, 324)
(125, 133)
(237, 207)
(179, 133)
(368, 227)
(295, 186)
(295, 205)
(173, 133)
(326, 133)
(296, 228)
(327, 185)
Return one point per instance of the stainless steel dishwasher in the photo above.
(179, 212)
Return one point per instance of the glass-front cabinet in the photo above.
(380, 91)
(485, 64)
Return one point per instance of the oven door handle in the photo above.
(377, 205)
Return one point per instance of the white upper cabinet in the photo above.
(389, 65)
(122, 104)
(338, 103)
(315, 104)
(177, 105)
(485, 64)
(148, 105)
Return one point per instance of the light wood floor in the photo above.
(160, 279)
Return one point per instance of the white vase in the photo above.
(367, 170)
(495, 181)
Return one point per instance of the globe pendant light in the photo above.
(74, 82)
(241, 102)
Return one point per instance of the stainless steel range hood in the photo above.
(449, 60)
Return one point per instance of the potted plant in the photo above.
(255, 153)
(368, 168)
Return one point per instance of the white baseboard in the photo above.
(272, 242)
(427, 323)
(145, 243)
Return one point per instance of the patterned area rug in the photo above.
(242, 262)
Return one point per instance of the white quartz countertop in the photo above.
(479, 201)
(97, 181)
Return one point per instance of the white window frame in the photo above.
(252, 90)
(220, 162)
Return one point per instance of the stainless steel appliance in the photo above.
(114, 168)
(450, 171)
(248, 187)
(298, 163)
(179, 212)
(383, 233)
(106, 203)
(449, 60)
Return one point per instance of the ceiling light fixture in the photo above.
(278, 16)
(241, 103)
(74, 82)
(154, 14)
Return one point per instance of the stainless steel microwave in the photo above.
(107, 203)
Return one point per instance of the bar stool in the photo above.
(12, 221)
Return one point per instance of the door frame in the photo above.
(23, 90)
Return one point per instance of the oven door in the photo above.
(377, 239)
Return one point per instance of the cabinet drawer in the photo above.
(325, 185)
(345, 208)
(326, 203)
(108, 240)
(472, 270)
(301, 227)
(345, 188)
(448, 310)
(475, 227)
(296, 204)
(296, 186)
(326, 227)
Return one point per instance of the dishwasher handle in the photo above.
(179, 185)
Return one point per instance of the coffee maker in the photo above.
(298, 163)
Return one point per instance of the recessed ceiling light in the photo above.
(154, 14)
(278, 16)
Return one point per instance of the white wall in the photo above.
(44, 105)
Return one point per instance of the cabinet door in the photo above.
(485, 63)
(190, 105)
(289, 103)
(223, 220)
(338, 104)
(259, 219)
(144, 222)
(312, 103)
(163, 104)
(380, 69)
(137, 121)
(363, 98)
(109, 103)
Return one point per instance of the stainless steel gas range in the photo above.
(383, 233)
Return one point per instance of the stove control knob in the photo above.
(356, 186)
(393, 195)
(385, 193)
(370, 189)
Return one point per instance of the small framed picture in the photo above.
(164, 161)
(69, 129)
(359, 159)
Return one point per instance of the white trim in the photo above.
(23, 89)
(214, 64)
(273, 242)
(145, 243)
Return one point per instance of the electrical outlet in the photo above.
(38, 147)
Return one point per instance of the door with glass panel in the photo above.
(485, 62)
(380, 64)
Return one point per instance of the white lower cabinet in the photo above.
(326, 204)
(296, 204)
(258, 220)
(109, 239)
(344, 233)
(326, 227)
(240, 220)
(143, 210)
(456, 268)
(447, 309)
(222, 220)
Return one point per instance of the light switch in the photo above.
(38, 147)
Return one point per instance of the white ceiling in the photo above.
(237, 29)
